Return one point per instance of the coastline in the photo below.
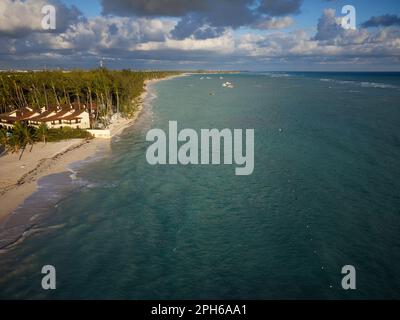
(18, 178)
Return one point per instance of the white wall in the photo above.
(97, 133)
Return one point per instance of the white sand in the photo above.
(18, 178)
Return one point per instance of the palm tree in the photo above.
(42, 132)
(3, 140)
(18, 140)
(30, 137)
(22, 135)
(110, 90)
(13, 145)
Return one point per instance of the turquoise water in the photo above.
(324, 193)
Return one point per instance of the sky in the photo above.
(256, 35)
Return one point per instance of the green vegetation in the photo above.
(42, 132)
(21, 136)
(67, 133)
(104, 92)
(110, 91)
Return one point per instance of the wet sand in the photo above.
(18, 177)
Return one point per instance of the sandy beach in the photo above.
(18, 178)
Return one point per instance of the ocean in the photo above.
(325, 193)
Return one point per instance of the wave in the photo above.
(364, 84)
(377, 85)
(275, 75)
(73, 174)
(150, 96)
(29, 231)
(280, 75)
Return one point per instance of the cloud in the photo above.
(102, 33)
(224, 44)
(95, 37)
(17, 17)
(280, 7)
(331, 43)
(385, 21)
(196, 39)
(328, 27)
(330, 31)
(200, 19)
(171, 8)
(207, 18)
(218, 12)
(274, 23)
(197, 27)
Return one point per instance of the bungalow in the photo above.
(22, 114)
(78, 119)
(35, 121)
(57, 117)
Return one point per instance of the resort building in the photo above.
(22, 114)
(54, 117)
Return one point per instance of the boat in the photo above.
(227, 84)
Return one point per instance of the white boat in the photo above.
(227, 84)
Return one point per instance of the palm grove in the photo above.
(109, 91)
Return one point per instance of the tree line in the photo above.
(111, 91)
(107, 91)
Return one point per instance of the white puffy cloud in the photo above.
(114, 33)
(274, 23)
(331, 43)
(223, 44)
(21, 17)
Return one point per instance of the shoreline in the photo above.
(24, 174)
(18, 178)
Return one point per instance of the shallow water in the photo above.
(324, 194)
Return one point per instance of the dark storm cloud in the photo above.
(218, 12)
(212, 23)
(171, 8)
(203, 18)
(386, 20)
(280, 7)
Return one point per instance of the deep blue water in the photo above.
(325, 193)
